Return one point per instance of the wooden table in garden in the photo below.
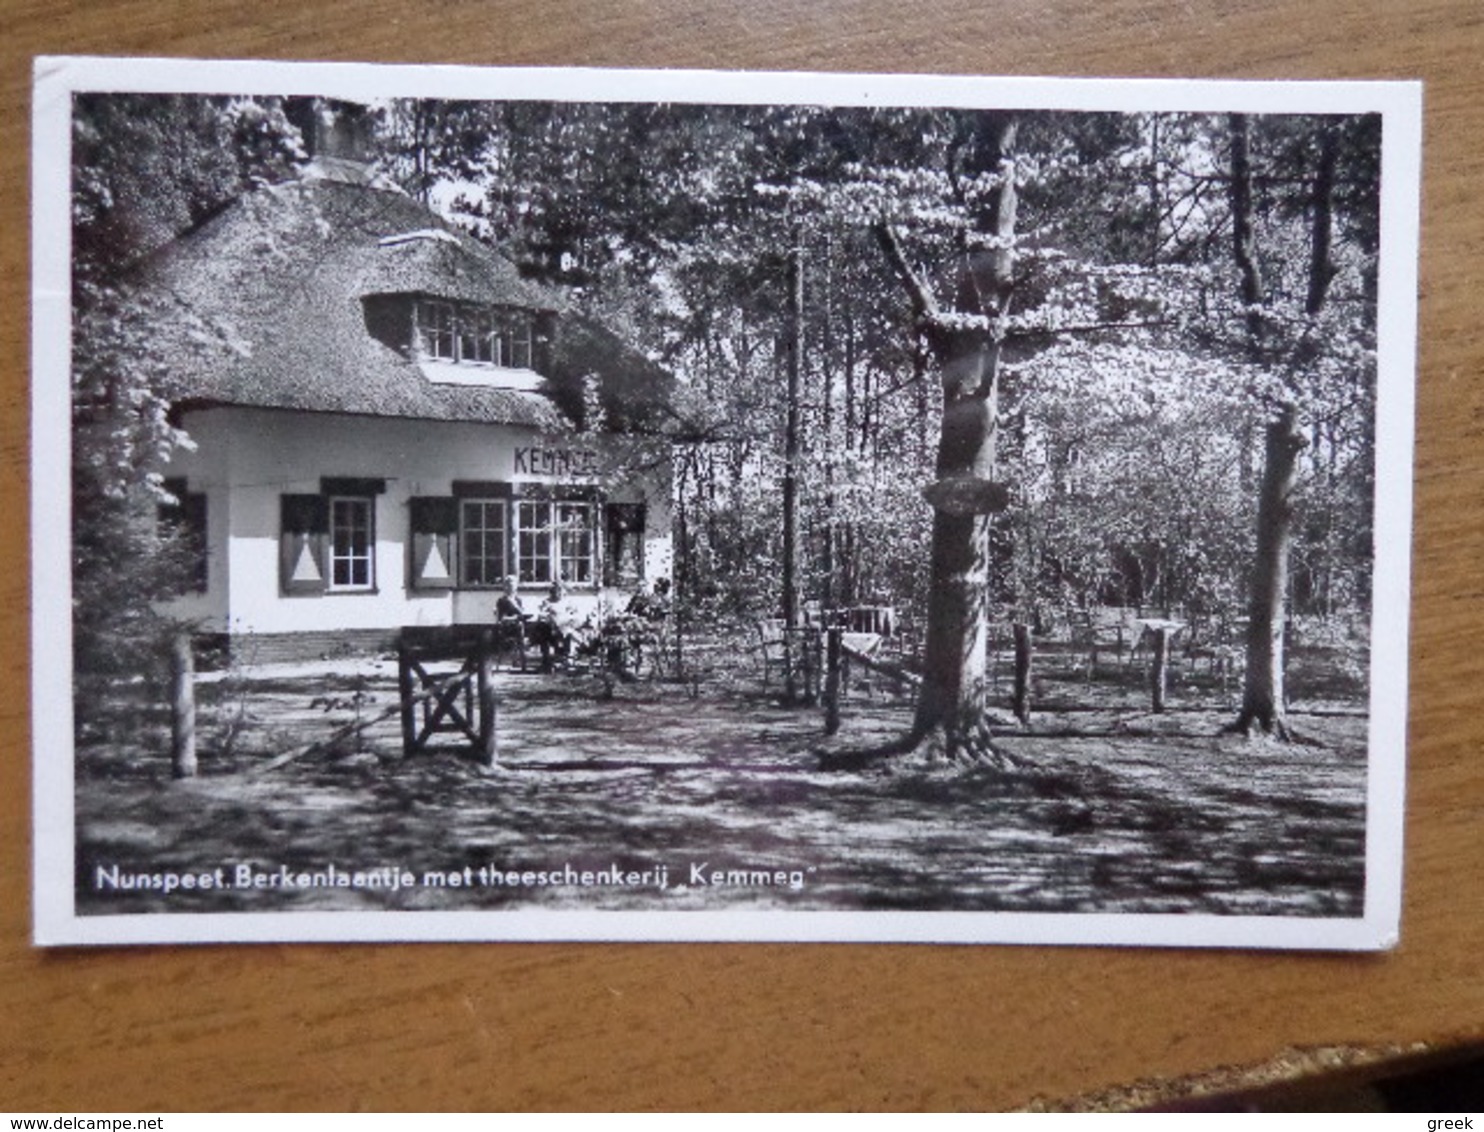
(1160, 632)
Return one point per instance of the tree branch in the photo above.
(923, 303)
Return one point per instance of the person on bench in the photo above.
(652, 606)
(561, 628)
(509, 606)
(511, 618)
(638, 627)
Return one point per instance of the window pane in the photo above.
(520, 342)
(350, 543)
(476, 334)
(435, 329)
(533, 541)
(575, 539)
(482, 524)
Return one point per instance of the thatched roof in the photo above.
(297, 281)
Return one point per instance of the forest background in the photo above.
(1166, 323)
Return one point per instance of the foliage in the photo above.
(145, 169)
(1133, 402)
(1132, 409)
(149, 167)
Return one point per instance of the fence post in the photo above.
(405, 692)
(182, 707)
(832, 681)
(1158, 672)
(1022, 703)
(489, 750)
(790, 676)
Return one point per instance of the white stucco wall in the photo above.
(246, 459)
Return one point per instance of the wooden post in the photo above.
(832, 682)
(1022, 703)
(1159, 671)
(790, 676)
(488, 742)
(405, 691)
(815, 647)
(182, 707)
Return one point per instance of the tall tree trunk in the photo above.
(1321, 241)
(1244, 255)
(833, 590)
(850, 587)
(1263, 700)
(1262, 692)
(953, 680)
(965, 349)
(1244, 238)
(686, 590)
(792, 348)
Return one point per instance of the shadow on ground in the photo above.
(1108, 809)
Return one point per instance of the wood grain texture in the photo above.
(703, 1026)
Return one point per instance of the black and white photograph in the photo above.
(659, 505)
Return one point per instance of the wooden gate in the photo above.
(437, 700)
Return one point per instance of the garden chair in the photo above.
(510, 642)
(770, 647)
(1082, 635)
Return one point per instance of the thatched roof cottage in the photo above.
(389, 421)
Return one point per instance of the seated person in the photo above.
(640, 623)
(562, 628)
(511, 618)
(652, 606)
(508, 606)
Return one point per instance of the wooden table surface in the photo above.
(798, 1026)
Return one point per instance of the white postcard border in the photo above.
(56, 79)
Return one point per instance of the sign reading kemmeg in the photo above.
(557, 462)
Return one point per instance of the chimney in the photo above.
(337, 136)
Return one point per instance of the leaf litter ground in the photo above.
(1099, 807)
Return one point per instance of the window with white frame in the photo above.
(435, 330)
(556, 541)
(470, 334)
(533, 540)
(478, 341)
(517, 343)
(352, 540)
(483, 541)
(575, 542)
(479, 536)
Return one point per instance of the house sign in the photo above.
(560, 463)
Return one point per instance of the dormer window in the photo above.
(478, 341)
(517, 342)
(468, 334)
(435, 336)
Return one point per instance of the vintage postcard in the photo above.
(549, 504)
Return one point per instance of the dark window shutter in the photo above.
(481, 489)
(303, 538)
(195, 525)
(624, 558)
(187, 517)
(351, 485)
(434, 544)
